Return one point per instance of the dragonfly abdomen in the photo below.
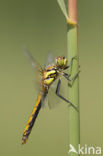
(32, 119)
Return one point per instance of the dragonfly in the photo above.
(48, 75)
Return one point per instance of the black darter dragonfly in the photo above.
(47, 76)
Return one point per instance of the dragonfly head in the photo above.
(61, 62)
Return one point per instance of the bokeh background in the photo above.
(41, 27)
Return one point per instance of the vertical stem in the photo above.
(72, 48)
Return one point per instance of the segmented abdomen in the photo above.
(32, 119)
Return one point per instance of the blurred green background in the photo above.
(41, 27)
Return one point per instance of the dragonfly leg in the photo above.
(58, 94)
(71, 63)
(71, 80)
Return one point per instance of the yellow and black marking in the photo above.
(49, 75)
(32, 119)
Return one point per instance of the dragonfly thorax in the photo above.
(49, 75)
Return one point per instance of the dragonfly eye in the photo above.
(61, 62)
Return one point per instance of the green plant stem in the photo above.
(73, 92)
(72, 50)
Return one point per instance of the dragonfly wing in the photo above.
(34, 63)
(45, 102)
(36, 67)
(49, 60)
(52, 100)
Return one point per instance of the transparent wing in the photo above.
(50, 60)
(52, 100)
(45, 102)
(36, 67)
(51, 94)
